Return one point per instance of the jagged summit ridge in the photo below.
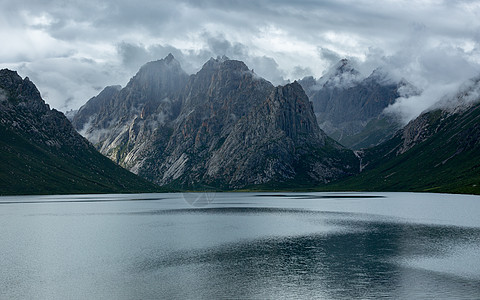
(343, 74)
(21, 91)
(223, 126)
(155, 85)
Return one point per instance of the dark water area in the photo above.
(240, 245)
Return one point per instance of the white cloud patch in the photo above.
(436, 69)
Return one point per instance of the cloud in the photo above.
(438, 70)
(331, 57)
(67, 83)
(301, 72)
(70, 48)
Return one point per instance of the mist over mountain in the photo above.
(224, 126)
(42, 153)
(437, 152)
(350, 108)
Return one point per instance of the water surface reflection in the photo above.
(242, 245)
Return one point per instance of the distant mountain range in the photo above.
(227, 128)
(223, 127)
(41, 152)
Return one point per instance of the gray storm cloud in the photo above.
(73, 49)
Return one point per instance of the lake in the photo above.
(240, 245)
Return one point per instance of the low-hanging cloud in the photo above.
(438, 71)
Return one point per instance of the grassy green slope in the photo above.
(448, 161)
(27, 168)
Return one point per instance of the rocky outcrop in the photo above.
(223, 127)
(279, 141)
(42, 153)
(128, 124)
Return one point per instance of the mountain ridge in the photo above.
(43, 154)
(210, 114)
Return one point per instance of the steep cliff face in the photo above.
(128, 124)
(220, 94)
(350, 108)
(87, 114)
(42, 153)
(280, 141)
(223, 127)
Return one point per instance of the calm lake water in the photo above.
(240, 245)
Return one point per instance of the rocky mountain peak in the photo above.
(223, 63)
(223, 81)
(295, 113)
(380, 76)
(151, 98)
(164, 69)
(9, 79)
(21, 92)
(350, 108)
(342, 75)
(344, 66)
(169, 58)
(26, 112)
(154, 81)
(85, 114)
(225, 127)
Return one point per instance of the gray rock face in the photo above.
(345, 104)
(126, 124)
(278, 141)
(87, 113)
(23, 110)
(224, 127)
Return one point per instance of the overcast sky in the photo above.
(72, 49)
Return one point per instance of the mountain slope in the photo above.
(130, 124)
(223, 127)
(350, 108)
(41, 152)
(439, 152)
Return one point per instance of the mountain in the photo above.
(438, 152)
(223, 127)
(41, 152)
(350, 109)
